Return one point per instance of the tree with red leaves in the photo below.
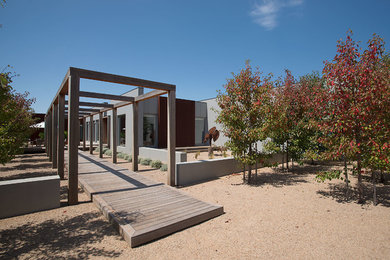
(291, 121)
(356, 120)
(244, 108)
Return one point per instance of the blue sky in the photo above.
(192, 44)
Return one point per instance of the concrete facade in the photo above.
(199, 171)
(29, 195)
(160, 154)
(204, 119)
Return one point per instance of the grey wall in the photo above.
(160, 154)
(128, 111)
(198, 171)
(24, 196)
(188, 173)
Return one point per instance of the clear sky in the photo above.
(192, 44)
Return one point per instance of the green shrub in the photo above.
(108, 152)
(126, 157)
(97, 149)
(139, 159)
(146, 161)
(120, 155)
(164, 168)
(105, 149)
(156, 164)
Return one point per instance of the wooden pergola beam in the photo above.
(92, 104)
(171, 124)
(71, 86)
(61, 128)
(84, 133)
(107, 77)
(73, 138)
(54, 134)
(100, 135)
(150, 95)
(105, 96)
(114, 135)
(85, 109)
(91, 134)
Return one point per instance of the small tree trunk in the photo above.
(256, 171)
(346, 178)
(257, 154)
(283, 158)
(359, 169)
(250, 166)
(287, 154)
(382, 177)
(292, 164)
(359, 184)
(374, 188)
(249, 173)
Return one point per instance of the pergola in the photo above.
(76, 110)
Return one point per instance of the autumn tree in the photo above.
(291, 120)
(356, 120)
(15, 118)
(243, 109)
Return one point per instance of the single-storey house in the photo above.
(193, 119)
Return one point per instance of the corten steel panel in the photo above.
(185, 122)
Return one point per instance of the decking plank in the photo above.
(139, 208)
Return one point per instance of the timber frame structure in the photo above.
(55, 120)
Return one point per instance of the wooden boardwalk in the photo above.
(141, 209)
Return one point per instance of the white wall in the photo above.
(211, 120)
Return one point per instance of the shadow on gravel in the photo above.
(71, 238)
(280, 178)
(339, 194)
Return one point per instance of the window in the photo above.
(122, 130)
(199, 130)
(96, 130)
(150, 131)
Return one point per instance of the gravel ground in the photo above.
(285, 215)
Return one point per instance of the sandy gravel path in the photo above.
(286, 215)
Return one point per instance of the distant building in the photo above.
(193, 119)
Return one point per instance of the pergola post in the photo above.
(49, 137)
(45, 136)
(91, 135)
(135, 149)
(73, 137)
(114, 135)
(84, 133)
(108, 132)
(54, 134)
(100, 135)
(61, 129)
(171, 137)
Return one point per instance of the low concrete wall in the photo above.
(198, 171)
(24, 196)
(160, 154)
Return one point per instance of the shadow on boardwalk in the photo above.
(71, 238)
